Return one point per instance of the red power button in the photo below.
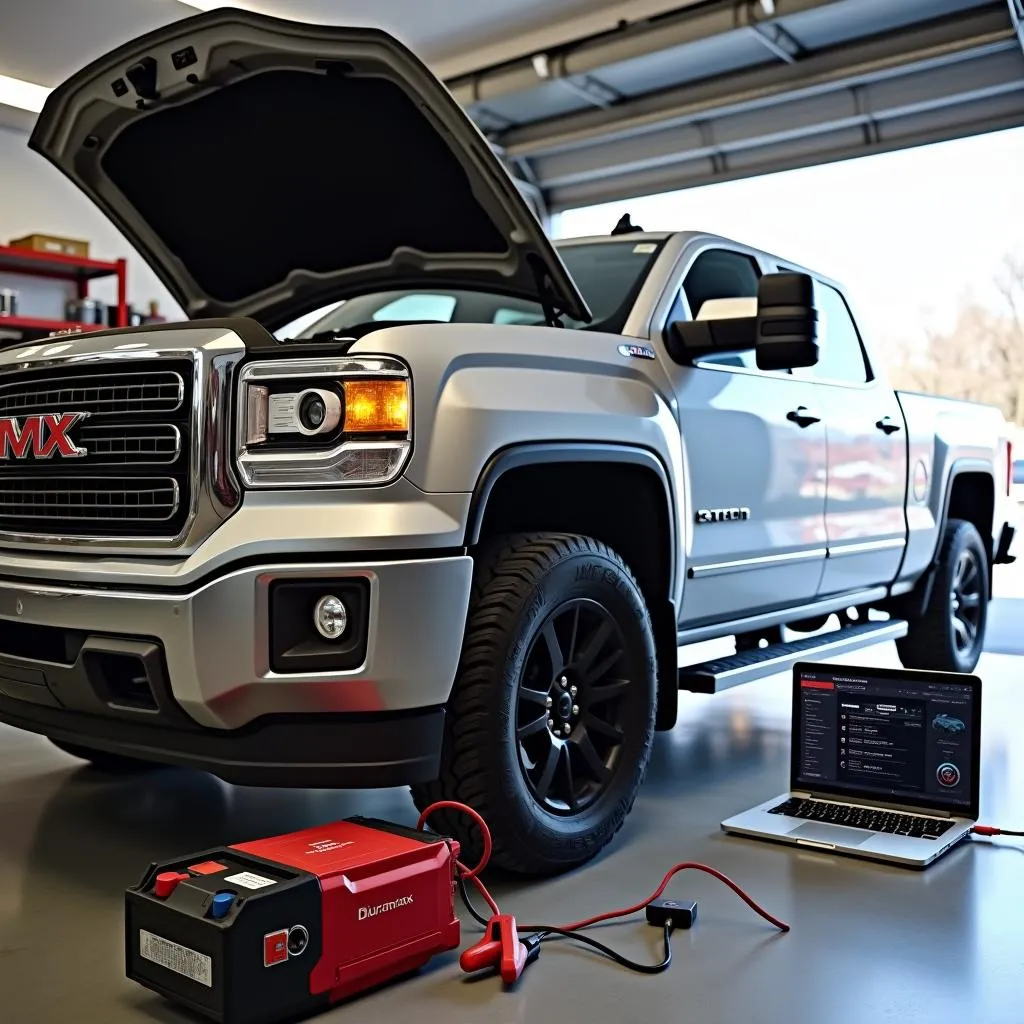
(167, 882)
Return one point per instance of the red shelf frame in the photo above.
(32, 323)
(64, 268)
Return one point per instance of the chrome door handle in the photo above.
(887, 425)
(802, 416)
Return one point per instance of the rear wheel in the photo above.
(115, 764)
(551, 719)
(950, 635)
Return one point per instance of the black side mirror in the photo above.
(688, 340)
(783, 332)
(787, 322)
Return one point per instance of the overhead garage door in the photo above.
(724, 89)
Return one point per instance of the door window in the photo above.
(841, 354)
(720, 274)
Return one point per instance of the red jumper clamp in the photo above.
(501, 948)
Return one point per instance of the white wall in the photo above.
(35, 197)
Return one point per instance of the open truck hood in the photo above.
(265, 168)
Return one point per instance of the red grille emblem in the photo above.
(40, 437)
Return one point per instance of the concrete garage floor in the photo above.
(869, 943)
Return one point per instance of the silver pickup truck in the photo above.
(460, 532)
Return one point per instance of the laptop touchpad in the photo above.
(837, 835)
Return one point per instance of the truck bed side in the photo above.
(950, 440)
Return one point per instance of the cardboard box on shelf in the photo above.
(52, 244)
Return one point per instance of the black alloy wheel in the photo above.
(549, 727)
(965, 601)
(569, 713)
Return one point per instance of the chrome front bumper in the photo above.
(215, 639)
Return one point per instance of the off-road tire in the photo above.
(101, 760)
(931, 642)
(519, 583)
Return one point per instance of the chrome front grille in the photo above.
(134, 476)
(141, 500)
(151, 391)
(141, 444)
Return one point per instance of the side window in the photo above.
(721, 274)
(841, 355)
(418, 307)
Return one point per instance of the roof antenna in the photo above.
(625, 226)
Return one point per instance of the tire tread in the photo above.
(503, 577)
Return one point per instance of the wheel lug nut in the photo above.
(551, 723)
(573, 691)
(563, 682)
(548, 703)
(567, 730)
(575, 709)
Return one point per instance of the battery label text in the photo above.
(198, 967)
(248, 880)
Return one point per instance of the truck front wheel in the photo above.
(551, 718)
(950, 635)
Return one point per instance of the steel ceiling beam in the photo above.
(687, 25)
(977, 118)
(1017, 19)
(932, 86)
(840, 68)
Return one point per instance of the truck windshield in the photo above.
(609, 274)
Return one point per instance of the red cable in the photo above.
(991, 830)
(485, 832)
(469, 875)
(485, 856)
(626, 911)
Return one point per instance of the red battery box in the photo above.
(263, 931)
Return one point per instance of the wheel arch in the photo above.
(969, 493)
(517, 490)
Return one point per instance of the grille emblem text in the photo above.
(40, 436)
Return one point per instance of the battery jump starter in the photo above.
(276, 929)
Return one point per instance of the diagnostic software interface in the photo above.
(905, 740)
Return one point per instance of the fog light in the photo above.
(330, 617)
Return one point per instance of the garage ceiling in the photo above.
(593, 102)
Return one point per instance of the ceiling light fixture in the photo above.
(24, 95)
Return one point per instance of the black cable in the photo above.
(623, 961)
(546, 932)
(464, 893)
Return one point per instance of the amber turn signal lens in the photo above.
(376, 406)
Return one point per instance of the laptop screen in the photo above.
(902, 737)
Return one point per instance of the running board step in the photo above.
(712, 676)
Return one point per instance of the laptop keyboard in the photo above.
(871, 818)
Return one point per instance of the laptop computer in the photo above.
(885, 765)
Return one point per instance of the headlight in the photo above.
(323, 422)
